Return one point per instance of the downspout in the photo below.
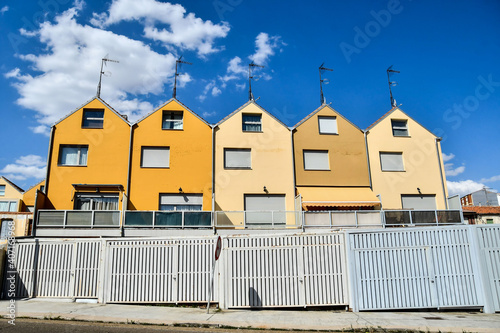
(368, 161)
(47, 176)
(213, 178)
(129, 170)
(441, 172)
(295, 182)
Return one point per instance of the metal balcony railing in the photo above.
(79, 218)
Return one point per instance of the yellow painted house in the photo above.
(331, 165)
(171, 162)
(253, 168)
(88, 159)
(406, 163)
(13, 220)
(11, 196)
(29, 196)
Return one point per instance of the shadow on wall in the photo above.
(253, 298)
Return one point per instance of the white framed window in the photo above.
(237, 158)
(327, 125)
(2, 190)
(181, 201)
(399, 127)
(391, 161)
(93, 201)
(252, 122)
(316, 160)
(93, 118)
(73, 155)
(8, 206)
(155, 157)
(172, 120)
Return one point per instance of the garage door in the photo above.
(418, 202)
(265, 209)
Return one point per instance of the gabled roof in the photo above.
(257, 105)
(90, 100)
(36, 185)
(389, 113)
(321, 108)
(20, 190)
(169, 101)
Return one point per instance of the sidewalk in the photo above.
(269, 319)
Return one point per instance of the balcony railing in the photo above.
(257, 219)
(168, 219)
(79, 218)
(246, 219)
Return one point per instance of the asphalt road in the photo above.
(64, 326)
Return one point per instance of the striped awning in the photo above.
(323, 197)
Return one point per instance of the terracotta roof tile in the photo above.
(482, 209)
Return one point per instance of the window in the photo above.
(42, 188)
(73, 155)
(4, 231)
(155, 157)
(2, 190)
(489, 221)
(316, 160)
(181, 201)
(252, 123)
(237, 158)
(172, 120)
(392, 161)
(93, 118)
(327, 125)
(399, 127)
(8, 206)
(418, 201)
(92, 201)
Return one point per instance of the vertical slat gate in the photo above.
(418, 268)
(489, 244)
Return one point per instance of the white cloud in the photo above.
(491, 179)
(184, 31)
(4, 9)
(265, 47)
(29, 166)
(235, 67)
(447, 158)
(41, 129)
(66, 74)
(463, 187)
(241, 86)
(207, 114)
(451, 172)
(216, 91)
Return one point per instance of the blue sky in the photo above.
(447, 53)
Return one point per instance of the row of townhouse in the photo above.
(173, 160)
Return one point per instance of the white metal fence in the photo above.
(403, 268)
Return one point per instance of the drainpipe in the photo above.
(294, 179)
(437, 140)
(129, 170)
(213, 178)
(49, 159)
(368, 160)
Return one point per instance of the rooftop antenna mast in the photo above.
(390, 71)
(322, 69)
(103, 63)
(250, 78)
(178, 63)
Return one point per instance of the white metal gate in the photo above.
(489, 247)
(56, 268)
(418, 268)
(290, 270)
(159, 271)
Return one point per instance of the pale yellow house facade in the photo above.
(331, 165)
(406, 164)
(29, 196)
(253, 168)
(13, 220)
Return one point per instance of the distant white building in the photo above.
(482, 197)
